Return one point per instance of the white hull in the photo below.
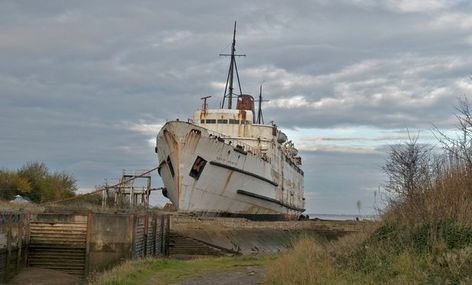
(228, 180)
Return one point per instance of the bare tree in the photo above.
(409, 175)
(459, 148)
(407, 168)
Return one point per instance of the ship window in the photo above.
(197, 167)
(211, 121)
(233, 121)
(202, 121)
(222, 121)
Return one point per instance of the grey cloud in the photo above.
(80, 79)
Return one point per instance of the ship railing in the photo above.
(237, 141)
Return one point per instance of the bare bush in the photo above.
(427, 187)
(410, 174)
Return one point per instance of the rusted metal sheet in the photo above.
(60, 246)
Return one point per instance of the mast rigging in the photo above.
(232, 69)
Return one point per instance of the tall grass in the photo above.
(425, 236)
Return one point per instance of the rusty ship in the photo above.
(227, 162)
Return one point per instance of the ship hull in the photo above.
(204, 174)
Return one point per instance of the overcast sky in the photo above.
(86, 85)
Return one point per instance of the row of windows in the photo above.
(223, 121)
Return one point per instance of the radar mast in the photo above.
(233, 68)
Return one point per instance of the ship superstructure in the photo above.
(225, 162)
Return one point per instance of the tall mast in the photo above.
(232, 69)
(259, 113)
(260, 117)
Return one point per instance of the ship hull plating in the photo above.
(206, 174)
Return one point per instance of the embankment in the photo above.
(245, 237)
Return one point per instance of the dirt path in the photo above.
(39, 276)
(245, 275)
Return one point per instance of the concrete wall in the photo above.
(111, 237)
(254, 237)
(82, 243)
(13, 243)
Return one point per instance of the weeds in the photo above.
(426, 232)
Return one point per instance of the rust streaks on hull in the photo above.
(228, 179)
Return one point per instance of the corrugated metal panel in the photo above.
(151, 231)
(60, 246)
(158, 235)
(150, 235)
(139, 237)
(165, 232)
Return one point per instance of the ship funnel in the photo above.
(245, 102)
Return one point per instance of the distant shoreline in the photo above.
(342, 217)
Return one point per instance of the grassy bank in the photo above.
(388, 255)
(168, 271)
(425, 236)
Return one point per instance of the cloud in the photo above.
(143, 127)
(337, 149)
(455, 20)
(419, 5)
(85, 85)
(383, 87)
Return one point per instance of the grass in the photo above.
(425, 236)
(168, 271)
(6, 205)
(386, 255)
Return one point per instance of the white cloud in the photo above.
(172, 38)
(334, 148)
(144, 127)
(419, 5)
(68, 16)
(452, 21)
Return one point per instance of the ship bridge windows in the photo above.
(225, 121)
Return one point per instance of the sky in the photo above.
(86, 85)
